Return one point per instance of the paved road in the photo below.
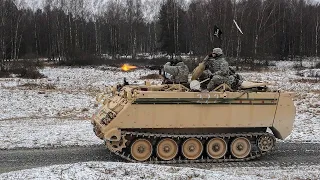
(286, 154)
(12, 160)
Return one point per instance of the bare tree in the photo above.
(317, 29)
(2, 34)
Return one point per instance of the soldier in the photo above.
(218, 69)
(205, 75)
(178, 70)
(237, 79)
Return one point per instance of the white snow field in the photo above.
(55, 111)
(46, 132)
(66, 92)
(42, 113)
(307, 101)
(117, 170)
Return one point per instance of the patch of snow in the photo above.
(92, 78)
(308, 63)
(307, 101)
(282, 80)
(46, 132)
(310, 73)
(118, 170)
(33, 116)
(16, 103)
(72, 92)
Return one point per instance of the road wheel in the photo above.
(240, 147)
(192, 148)
(217, 148)
(167, 149)
(141, 149)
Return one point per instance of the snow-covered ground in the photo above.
(67, 92)
(55, 111)
(115, 170)
(65, 100)
(46, 132)
(307, 101)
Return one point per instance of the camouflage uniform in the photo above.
(237, 79)
(179, 73)
(219, 69)
(205, 75)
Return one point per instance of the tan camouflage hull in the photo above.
(157, 109)
(148, 110)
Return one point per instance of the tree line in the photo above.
(67, 30)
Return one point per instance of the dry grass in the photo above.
(30, 85)
(313, 80)
(151, 76)
(39, 86)
(316, 91)
(262, 70)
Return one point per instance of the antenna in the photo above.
(237, 26)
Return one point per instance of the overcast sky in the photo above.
(150, 7)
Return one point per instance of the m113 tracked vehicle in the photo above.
(171, 123)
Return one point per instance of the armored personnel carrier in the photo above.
(172, 123)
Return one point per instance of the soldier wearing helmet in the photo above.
(178, 70)
(217, 68)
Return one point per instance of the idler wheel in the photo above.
(141, 149)
(265, 143)
(192, 148)
(216, 148)
(240, 147)
(167, 149)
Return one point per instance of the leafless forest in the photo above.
(68, 30)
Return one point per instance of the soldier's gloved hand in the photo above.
(174, 62)
(168, 63)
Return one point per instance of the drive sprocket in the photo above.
(117, 146)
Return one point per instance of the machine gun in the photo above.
(166, 80)
(120, 86)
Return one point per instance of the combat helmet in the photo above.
(217, 51)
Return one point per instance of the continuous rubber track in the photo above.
(153, 138)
